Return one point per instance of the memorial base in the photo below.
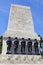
(20, 59)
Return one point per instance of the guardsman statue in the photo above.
(9, 43)
(23, 44)
(29, 45)
(16, 44)
(36, 45)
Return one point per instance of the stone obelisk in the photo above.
(20, 24)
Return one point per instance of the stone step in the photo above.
(21, 59)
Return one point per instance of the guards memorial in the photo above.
(20, 24)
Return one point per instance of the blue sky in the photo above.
(36, 9)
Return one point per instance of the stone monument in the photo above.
(20, 24)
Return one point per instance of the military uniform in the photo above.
(23, 44)
(9, 43)
(36, 45)
(29, 45)
(16, 43)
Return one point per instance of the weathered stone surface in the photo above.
(20, 23)
(20, 59)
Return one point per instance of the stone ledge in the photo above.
(21, 59)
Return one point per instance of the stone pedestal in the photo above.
(20, 59)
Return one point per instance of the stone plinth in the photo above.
(20, 59)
